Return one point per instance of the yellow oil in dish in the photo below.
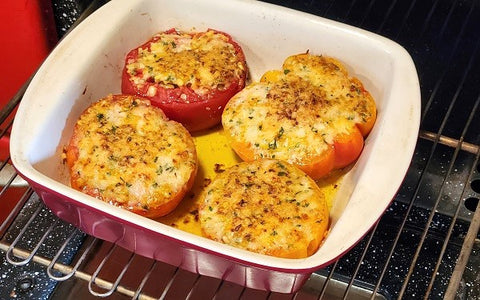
(214, 155)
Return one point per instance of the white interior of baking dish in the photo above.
(87, 66)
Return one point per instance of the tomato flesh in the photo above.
(182, 103)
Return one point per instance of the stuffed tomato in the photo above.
(189, 75)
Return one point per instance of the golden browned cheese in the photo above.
(298, 112)
(265, 206)
(126, 152)
(203, 62)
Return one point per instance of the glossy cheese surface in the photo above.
(202, 61)
(296, 114)
(265, 206)
(280, 120)
(126, 152)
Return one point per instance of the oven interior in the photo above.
(426, 245)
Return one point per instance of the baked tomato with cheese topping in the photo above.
(126, 152)
(189, 75)
(311, 114)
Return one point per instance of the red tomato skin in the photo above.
(182, 104)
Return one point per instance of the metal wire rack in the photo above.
(425, 246)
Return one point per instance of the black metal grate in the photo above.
(425, 246)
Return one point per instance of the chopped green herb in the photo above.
(273, 144)
(159, 170)
(280, 132)
(100, 116)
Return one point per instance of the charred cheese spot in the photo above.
(128, 154)
(265, 206)
(202, 61)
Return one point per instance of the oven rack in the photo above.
(179, 282)
(425, 246)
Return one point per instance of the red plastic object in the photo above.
(28, 34)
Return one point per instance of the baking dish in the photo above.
(87, 64)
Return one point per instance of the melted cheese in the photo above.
(129, 154)
(349, 99)
(281, 120)
(297, 113)
(265, 206)
(202, 61)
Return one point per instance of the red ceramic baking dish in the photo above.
(87, 66)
